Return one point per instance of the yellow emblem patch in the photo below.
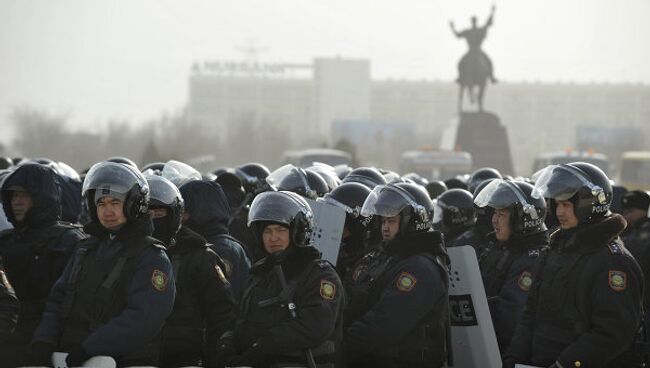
(327, 289)
(406, 282)
(525, 281)
(617, 280)
(159, 280)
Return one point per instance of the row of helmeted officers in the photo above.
(173, 268)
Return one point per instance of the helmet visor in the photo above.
(501, 194)
(288, 177)
(561, 182)
(280, 207)
(179, 173)
(112, 177)
(387, 201)
(163, 190)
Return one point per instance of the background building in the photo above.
(306, 100)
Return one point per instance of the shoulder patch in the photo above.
(533, 253)
(406, 282)
(159, 280)
(615, 247)
(327, 289)
(525, 281)
(617, 280)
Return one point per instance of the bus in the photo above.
(635, 170)
(437, 165)
(564, 157)
(307, 157)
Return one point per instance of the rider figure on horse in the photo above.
(475, 64)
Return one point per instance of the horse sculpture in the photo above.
(475, 67)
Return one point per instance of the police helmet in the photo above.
(410, 201)
(294, 179)
(122, 160)
(435, 188)
(253, 176)
(480, 175)
(285, 208)
(120, 181)
(526, 213)
(584, 184)
(350, 197)
(164, 194)
(368, 176)
(416, 178)
(454, 210)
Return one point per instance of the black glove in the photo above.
(223, 352)
(40, 354)
(252, 357)
(76, 356)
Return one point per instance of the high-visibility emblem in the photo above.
(327, 289)
(159, 280)
(617, 280)
(525, 281)
(406, 282)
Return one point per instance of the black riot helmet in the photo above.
(526, 213)
(122, 160)
(416, 178)
(456, 183)
(294, 179)
(284, 208)
(480, 175)
(435, 188)
(164, 194)
(351, 197)
(119, 181)
(253, 176)
(584, 184)
(328, 174)
(410, 201)
(155, 167)
(368, 176)
(317, 183)
(454, 211)
(342, 170)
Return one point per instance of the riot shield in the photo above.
(328, 229)
(474, 343)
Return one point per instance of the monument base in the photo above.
(482, 135)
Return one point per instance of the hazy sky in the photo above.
(130, 59)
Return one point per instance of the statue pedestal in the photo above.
(482, 135)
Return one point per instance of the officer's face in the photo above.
(389, 227)
(21, 202)
(565, 214)
(110, 212)
(156, 213)
(501, 224)
(275, 238)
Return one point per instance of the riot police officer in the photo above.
(584, 306)
(636, 236)
(507, 265)
(357, 230)
(454, 214)
(398, 307)
(204, 307)
(207, 213)
(117, 290)
(35, 251)
(290, 311)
